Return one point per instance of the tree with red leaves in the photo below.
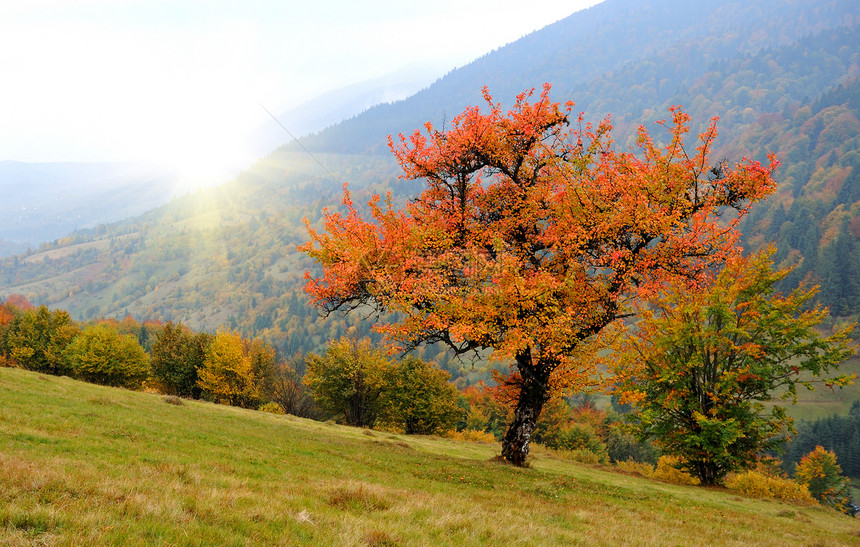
(531, 237)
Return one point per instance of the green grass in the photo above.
(84, 464)
(824, 402)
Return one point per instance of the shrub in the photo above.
(272, 407)
(473, 436)
(236, 371)
(484, 412)
(290, 393)
(575, 437)
(642, 469)
(102, 356)
(758, 485)
(623, 446)
(584, 455)
(668, 471)
(35, 339)
(177, 355)
(348, 379)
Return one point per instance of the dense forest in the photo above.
(782, 77)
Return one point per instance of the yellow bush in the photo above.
(667, 472)
(642, 469)
(473, 436)
(272, 407)
(584, 455)
(755, 484)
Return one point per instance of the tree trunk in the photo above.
(534, 391)
(708, 474)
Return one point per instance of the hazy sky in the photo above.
(178, 80)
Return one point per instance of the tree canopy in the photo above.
(101, 355)
(703, 363)
(348, 379)
(236, 371)
(530, 238)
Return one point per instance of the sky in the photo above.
(181, 82)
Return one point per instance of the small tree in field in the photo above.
(236, 371)
(418, 398)
(820, 473)
(177, 355)
(35, 339)
(703, 363)
(348, 380)
(530, 239)
(101, 355)
(289, 392)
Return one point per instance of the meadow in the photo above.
(82, 464)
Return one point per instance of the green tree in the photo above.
(559, 428)
(36, 338)
(821, 474)
(101, 355)
(177, 355)
(348, 380)
(703, 362)
(418, 398)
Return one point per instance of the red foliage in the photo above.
(18, 301)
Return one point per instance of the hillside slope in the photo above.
(84, 464)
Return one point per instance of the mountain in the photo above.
(782, 76)
(45, 201)
(620, 57)
(334, 106)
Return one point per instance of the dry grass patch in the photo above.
(358, 499)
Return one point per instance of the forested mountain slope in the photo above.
(781, 75)
(44, 201)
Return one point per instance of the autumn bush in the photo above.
(272, 408)
(347, 380)
(363, 387)
(583, 455)
(472, 436)
(103, 356)
(288, 391)
(575, 437)
(643, 469)
(758, 485)
(176, 356)
(702, 364)
(236, 371)
(622, 446)
(668, 470)
(484, 412)
(35, 339)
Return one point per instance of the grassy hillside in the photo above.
(83, 464)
